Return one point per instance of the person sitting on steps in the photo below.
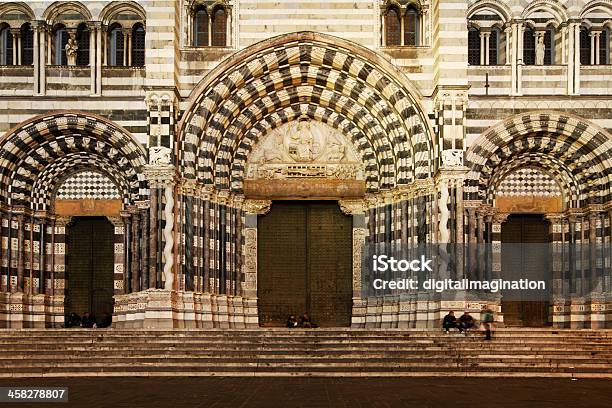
(292, 322)
(449, 322)
(306, 322)
(466, 322)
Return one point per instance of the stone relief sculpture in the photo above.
(159, 155)
(71, 51)
(452, 158)
(304, 148)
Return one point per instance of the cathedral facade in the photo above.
(196, 163)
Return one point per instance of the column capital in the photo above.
(94, 25)
(62, 221)
(190, 187)
(500, 217)
(160, 173)
(555, 218)
(259, 207)
(352, 207)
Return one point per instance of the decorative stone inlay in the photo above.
(359, 235)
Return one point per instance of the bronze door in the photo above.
(89, 266)
(525, 229)
(305, 263)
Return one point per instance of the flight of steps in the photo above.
(314, 352)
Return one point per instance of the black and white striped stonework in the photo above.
(46, 148)
(577, 153)
(268, 84)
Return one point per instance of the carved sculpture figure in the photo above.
(71, 51)
(336, 151)
(301, 147)
(159, 155)
(539, 51)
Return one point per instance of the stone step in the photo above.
(267, 352)
(222, 360)
(253, 368)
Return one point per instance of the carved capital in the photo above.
(259, 207)
(189, 187)
(160, 174)
(500, 218)
(62, 221)
(554, 218)
(352, 207)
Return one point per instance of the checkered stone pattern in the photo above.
(161, 124)
(528, 182)
(447, 120)
(251, 90)
(574, 152)
(88, 185)
(49, 147)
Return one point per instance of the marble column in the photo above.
(252, 209)
(165, 176)
(92, 58)
(558, 292)
(127, 260)
(15, 32)
(20, 251)
(153, 234)
(135, 245)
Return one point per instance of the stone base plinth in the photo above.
(159, 308)
(21, 311)
(412, 311)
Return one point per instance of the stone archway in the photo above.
(37, 157)
(308, 77)
(575, 155)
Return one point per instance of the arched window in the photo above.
(219, 27)
(392, 27)
(82, 38)
(60, 39)
(549, 46)
(604, 47)
(115, 46)
(494, 46)
(27, 44)
(411, 27)
(585, 47)
(138, 45)
(473, 46)
(200, 27)
(6, 46)
(529, 47)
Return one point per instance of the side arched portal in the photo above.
(549, 172)
(54, 167)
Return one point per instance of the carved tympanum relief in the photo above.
(304, 148)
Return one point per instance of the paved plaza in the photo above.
(325, 392)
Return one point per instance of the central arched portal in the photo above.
(305, 263)
(319, 121)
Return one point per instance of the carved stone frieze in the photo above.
(304, 149)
